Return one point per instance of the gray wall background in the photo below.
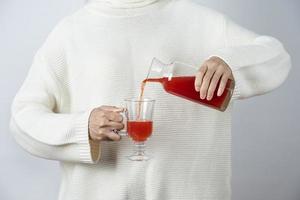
(266, 139)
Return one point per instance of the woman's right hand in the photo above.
(103, 120)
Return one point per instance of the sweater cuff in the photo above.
(89, 151)
(229, 60)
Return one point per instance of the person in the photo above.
(72, 98)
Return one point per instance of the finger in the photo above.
(199, 77)
(98, 138)
(102, 122)
(115, 125)
(213, 84)
(112, 108)
(113, 116)
(102, 134)
(99, 134)
(205, 83)
(103, 138)
(113, 136)
(223, 83)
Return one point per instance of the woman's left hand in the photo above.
(208, 76)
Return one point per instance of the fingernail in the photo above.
(202, 96)
(219, 93)
(208, 98)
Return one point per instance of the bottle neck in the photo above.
(159, 70)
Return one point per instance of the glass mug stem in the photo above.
(139, 152)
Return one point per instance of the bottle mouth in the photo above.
(156, 66)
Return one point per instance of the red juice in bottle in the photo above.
(183, 86)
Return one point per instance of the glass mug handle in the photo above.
(123, 132)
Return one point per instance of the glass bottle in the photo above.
(178, 79)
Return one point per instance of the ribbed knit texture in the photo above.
(99, 56)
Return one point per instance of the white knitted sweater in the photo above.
(99, 56)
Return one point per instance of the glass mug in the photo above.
(139, 125)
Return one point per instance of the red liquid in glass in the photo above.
(139, 131)
(183, 86)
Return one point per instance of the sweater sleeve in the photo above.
(36, 122)
(259, 64)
